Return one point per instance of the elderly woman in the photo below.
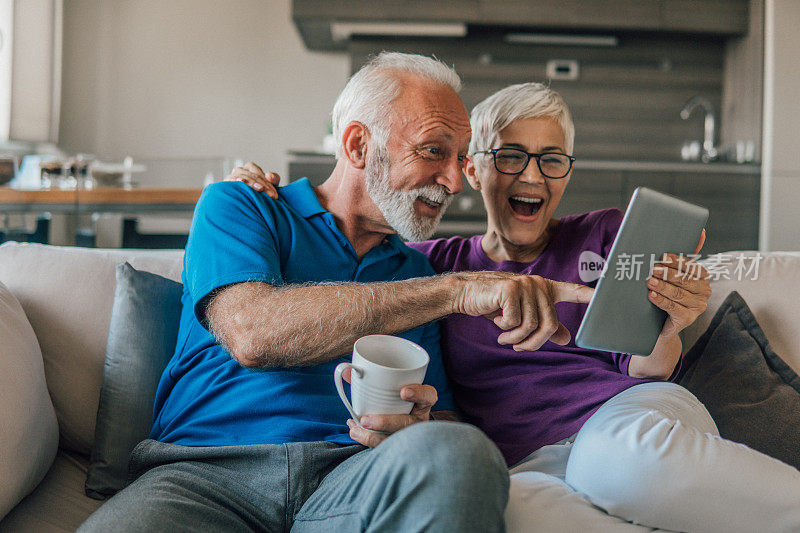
(592, 438)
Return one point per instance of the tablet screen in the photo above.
(620, 317)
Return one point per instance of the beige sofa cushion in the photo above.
(773, 295)
(29, 434)
(67, 294)
(58, 505)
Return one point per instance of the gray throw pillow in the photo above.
(141, 341)
(753, 396)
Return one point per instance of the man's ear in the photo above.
(471, 173)
(354, 143)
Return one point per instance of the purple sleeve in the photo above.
(623, 361)
(421, 246)
(612, 220)
(436, 252)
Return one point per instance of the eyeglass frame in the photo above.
(530, 156)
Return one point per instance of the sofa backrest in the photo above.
(67, 294)
(771, 291)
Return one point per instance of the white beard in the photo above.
(397, 207)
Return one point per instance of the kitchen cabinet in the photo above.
(626, 102)
(712, 17)
(591, 189)
(731, 198)
(723, 17)
(733, 216)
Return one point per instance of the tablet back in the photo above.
(620, 317)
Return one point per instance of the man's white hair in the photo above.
(369, 93)
(524, 100)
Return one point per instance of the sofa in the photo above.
(67, 294)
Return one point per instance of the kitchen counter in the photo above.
(669, 166)
(101, 199)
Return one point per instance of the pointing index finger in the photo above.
(564, 291)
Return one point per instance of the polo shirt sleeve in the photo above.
(233, 239)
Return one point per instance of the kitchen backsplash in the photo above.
(625, 101)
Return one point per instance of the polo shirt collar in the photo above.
(300, 195)
(394, 241)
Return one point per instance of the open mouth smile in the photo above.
(525, 206)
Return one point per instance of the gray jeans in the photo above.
(433, 476)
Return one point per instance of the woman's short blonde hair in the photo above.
(520, 101)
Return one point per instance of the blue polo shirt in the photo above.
(204, 397)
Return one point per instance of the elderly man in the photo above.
(249, 432)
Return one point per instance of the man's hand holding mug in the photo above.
(386, 377)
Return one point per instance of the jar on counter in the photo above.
(81, 165)
(51, 173)
(69, 176)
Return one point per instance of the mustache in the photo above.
(434, 193)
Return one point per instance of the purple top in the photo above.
(526, 400)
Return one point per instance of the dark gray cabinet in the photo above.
(591, 189)
(626, 102)
(722, 17)
(731, 198)
(713, 17)
(733, 213)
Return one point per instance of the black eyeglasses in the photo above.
(513, 161)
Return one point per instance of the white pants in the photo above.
(652, 455)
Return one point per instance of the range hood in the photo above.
(326, 25)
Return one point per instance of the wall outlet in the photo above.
(563, 69)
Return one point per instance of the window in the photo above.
(30, 69)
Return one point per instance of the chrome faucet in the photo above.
(709, 126)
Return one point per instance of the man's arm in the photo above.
(267, 326)
(300, 325)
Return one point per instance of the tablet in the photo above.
(620, 317)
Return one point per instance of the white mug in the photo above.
(382, 365)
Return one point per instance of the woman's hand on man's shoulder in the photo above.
(252, 175)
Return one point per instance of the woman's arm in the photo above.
(660, 363)
(679, 286)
